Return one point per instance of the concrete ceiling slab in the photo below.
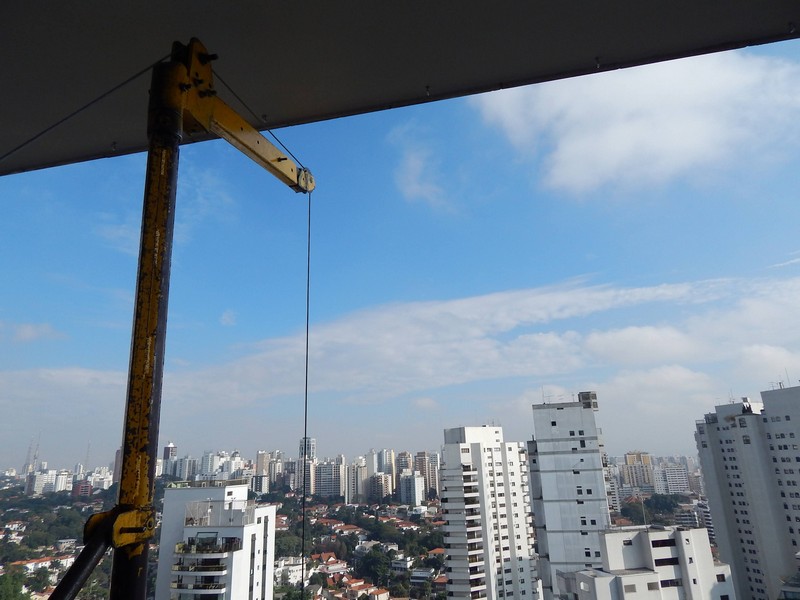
(298, 62)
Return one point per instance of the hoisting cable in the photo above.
(305, 397)
(79, 110)
(258, 119)
(304, 456)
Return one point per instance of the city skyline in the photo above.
(288, 456)
(469, 258)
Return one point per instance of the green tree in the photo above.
(39, 581)
(287, 544)
(634, 511)
(375, 566)
(11, 584)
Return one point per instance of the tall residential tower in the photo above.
(485, 499)
(568, 492)
(751, 464)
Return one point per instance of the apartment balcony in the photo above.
(457, 528)
(199, 570)
(219, 513)
(457, 553)
(461, 589)
(215, 548)
(199, 589)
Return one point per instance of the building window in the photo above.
(553, 423)
(630, 588)
(720, 577)
(663, 562)
(652, 585)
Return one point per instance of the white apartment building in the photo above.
(215, 545)
(656, 563)
(427, 463)
(751, 464)
(411, 488)
(485, 500)
(357, 480)
(331, 479)
(568, 494)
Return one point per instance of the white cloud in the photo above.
(425, 403)
(30, 332)
(648, 125)
(228, 318)
(643, 345)
(122, 236)
(462, 361)
(655, 409)
(418, 175)
(377, 354)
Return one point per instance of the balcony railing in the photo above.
(199, 568)
(217, 546)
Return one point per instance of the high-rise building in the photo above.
(411, 488)
(357, 480)
(262, 462)
(668, 563)
(169, 458)
(331, 479)
(570, 505)
(216, 543)
(637, 474)
(186, 468)
(386, 464)
(751, 467)
(308, 449)
(379, 486)
(485, 500)
(170, 452)
(427, 463)
(404, 460)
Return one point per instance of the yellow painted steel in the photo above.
(203, 109)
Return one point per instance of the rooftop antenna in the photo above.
(86, 462)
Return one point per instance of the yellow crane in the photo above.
(182, 100)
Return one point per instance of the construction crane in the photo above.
(182, 100)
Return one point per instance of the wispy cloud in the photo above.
(31, 332)
(425, 403)
(649, 125)
(418, 174)
(400, 349)
(228, 318)
(791, 261)
(523, 345)
(120, 233)
(203, 195)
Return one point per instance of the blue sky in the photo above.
(633, 233)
